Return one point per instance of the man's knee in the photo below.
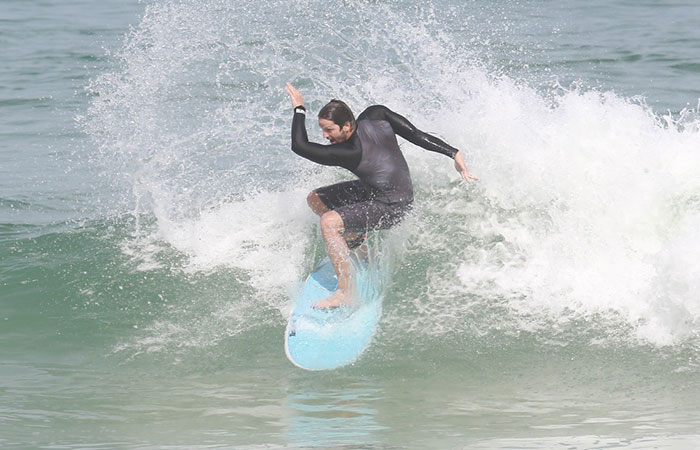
(332, 222)
(315, 203)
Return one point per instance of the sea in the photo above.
(154, 227)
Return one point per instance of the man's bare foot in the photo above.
(338, 299)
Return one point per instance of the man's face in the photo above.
(333, 132)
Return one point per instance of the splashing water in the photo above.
(588, 203)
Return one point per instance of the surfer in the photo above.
(383, 192)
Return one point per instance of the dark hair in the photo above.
(338, 112)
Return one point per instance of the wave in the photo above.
(585, 212)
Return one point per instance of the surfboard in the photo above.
(324, 339)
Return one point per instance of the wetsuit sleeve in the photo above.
(406, 130)
(342, 155)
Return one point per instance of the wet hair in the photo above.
(337, 112)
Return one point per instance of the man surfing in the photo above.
(383, 192)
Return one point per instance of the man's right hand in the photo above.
(295, 96)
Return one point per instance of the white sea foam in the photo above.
(265, 236)
(594, 195)
(587, 205)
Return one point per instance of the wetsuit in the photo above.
(383, 193)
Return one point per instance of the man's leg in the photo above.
(332, 228)
(316, 204)
(320, 208)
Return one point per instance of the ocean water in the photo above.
(153, 224)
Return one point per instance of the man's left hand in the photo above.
(461, 167)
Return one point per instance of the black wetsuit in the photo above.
(384, 192)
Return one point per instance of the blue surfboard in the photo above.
(323, 339)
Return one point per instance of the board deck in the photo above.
(323, 339)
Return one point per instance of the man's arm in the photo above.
(408, 131)
(343, 155)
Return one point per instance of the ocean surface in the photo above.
(153, 224)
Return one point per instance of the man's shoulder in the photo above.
(374, 112)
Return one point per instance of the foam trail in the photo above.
(586, 202)
(265, 236)
(589, 197)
